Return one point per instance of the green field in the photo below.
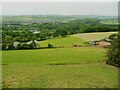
(94, 36)
(68, 41)
(49, 56)
(61, 67)
(80, 39)
(68, 67)
(109, 22)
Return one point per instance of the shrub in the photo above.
(50, 45)
(113, 53)
(4, 46)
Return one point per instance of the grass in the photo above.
(82, 67)
(94, 36)
(58, 55)
(64, 42)
(67, 67)
(112, 22)
(46, 76)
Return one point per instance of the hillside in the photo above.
(55, 17)
(94, 36)
(68, 41)
(82, 67)
(59, 67)
(80, 39)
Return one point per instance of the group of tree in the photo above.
(23, 37)
(21, 32)
(9, 43)
(79, 25)
(113, 53)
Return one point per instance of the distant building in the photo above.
(34, 30)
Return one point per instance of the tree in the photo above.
(113, 53)
(18, 39)
(24, 39)
(4, 45)
(8, 39)
(63, 33)
(55, 34)
(50, 45)
(111, 37)
(10, 45)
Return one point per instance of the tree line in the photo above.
(21, 34)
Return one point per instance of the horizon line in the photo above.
(58, 14)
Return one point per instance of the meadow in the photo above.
(68, 67)
(80, 39)
(109, 22)
(67, 41)
(94, 36)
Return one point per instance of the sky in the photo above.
(60, 8)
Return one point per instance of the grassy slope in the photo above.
(69, 76)
(76, 39)
(29, 68)
(66, 42)
(59, 55)
(85, 67)
(94, 36)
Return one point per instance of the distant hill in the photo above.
(53, 18)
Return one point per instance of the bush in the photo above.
(4, 46)
(10, 45)
(113, 53)
(50, 45)
(25, 46)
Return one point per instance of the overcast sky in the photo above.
(61, 8)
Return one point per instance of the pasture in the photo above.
(68, 67)
(67, 41)
(82, 67)
(109, 22)
(94, 36)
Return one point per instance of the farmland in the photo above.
(52, 68)
(64, 42)
(94, 36)
(109, 22)
(68, 67)
(81, 39)
(39, 51)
